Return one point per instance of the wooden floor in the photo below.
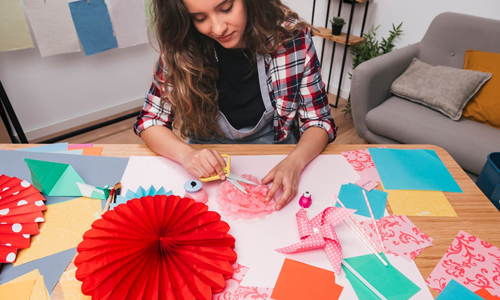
(122, 133)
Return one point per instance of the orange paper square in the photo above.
(302, 281)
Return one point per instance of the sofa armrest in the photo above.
(371, 82)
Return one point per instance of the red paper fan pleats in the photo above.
(161, 247)
(21, 207)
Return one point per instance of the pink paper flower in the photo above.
(235, 204)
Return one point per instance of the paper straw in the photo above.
(363, 280)
(360, 228)
(374, 221)
(361, 233)
(367, 244)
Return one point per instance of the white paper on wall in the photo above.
(52, 26)
(129, 22)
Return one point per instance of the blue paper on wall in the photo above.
(352, 197)
(413, 169)
(93, 25)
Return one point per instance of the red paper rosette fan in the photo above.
(21, 206)
(161, 247)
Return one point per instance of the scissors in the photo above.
(232, 178)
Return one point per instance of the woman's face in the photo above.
(221, 20)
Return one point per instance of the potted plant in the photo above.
(337, 24)
(371, 48)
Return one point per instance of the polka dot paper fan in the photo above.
(21, 206)
(156, 247)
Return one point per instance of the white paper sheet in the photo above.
(256, 239)
(52, 26)
(129, 22)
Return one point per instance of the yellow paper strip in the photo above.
(72, 288)
(19, 290)
(39, 290)
(65, 223)
(14, 32)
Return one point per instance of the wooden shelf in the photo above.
(326, 33)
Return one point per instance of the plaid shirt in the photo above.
(294, 84)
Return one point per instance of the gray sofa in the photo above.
(382, 118)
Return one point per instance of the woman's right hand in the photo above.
(204, 163)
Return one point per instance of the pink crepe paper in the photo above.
(234, 291)
(235, 204)
(472, 262)
(362, 163)
(319, 233)
(400, 236)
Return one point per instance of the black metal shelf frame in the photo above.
(353, 3)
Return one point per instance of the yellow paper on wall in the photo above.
(20, 290)
(14, 32)
(39, 290)
(419, 203)
(71, 287)
(63, 228)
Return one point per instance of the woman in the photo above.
(235, 71)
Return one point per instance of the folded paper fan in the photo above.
(161, 247)
(21, 207)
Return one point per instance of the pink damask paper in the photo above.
(400, 236)
(233, 290)
(471, 262)
(362, 162)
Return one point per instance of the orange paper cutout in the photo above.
(94, 151)
(485, 294)
(302, 281)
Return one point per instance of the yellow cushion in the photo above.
(484, 107)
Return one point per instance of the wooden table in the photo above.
(476, 214)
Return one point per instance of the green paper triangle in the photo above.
(66, 185)
(54, 179)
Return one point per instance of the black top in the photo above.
(240, 99)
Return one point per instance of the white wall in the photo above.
(416, 16)
(55, 93)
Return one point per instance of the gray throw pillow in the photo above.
(444, 89)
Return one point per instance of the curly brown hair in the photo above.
(189, 63)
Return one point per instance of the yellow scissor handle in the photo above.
(226, 169)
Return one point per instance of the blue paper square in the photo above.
(413, 169)
(352, 197)
(456, 291)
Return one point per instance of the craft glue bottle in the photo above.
(305, 200)
(195, 191)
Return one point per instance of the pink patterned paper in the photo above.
(472, 262)
(319, 233)
(400, 236)
(362, 162)
(233, 290)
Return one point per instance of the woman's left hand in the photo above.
(284, 175)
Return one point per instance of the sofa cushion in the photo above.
(467, 141)
(484, 107)
(441, 88)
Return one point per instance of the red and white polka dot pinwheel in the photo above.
(319, 233)
(21, 206)
(156, 247)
